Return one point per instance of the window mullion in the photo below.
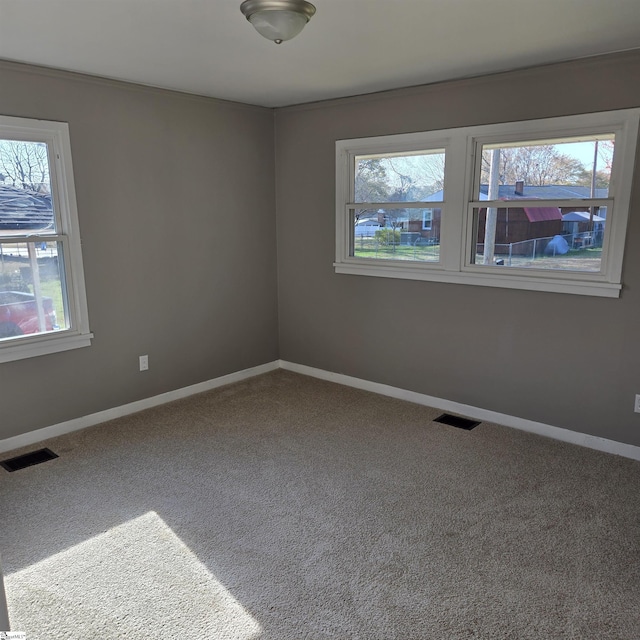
(344, 168)
(453, 231)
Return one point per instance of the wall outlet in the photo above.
(637, 407)
(144, 363)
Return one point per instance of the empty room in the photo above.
(319, 320)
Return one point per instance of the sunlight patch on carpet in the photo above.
(136, 580)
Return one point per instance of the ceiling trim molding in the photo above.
(86, 78)
(597, 60)
(374, 96)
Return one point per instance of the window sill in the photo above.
(506, 280)
(29, 347)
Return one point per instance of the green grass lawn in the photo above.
(576, 260)
(580, 260)
(53, 289)
(420, 253)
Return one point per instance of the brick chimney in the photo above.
(519, 190)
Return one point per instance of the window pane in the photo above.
(32, 290)
(407, 177)
(562, 168)
(540, 238)
(397, 234)
(25, 188)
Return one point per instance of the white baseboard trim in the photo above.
(557, 433)
(32, 437)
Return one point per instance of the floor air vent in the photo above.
(28, 459)
(457, 421)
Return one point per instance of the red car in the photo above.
(19, 314)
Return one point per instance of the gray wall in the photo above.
(565, 360)
(176, 206)
(177, 216)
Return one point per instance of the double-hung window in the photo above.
(42, 296)
(390, 216)
(539, 205)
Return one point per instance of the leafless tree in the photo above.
(25, 165)
(536, 165)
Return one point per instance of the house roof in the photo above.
(21, 209)
(545, 192)
(582, 216)
(542, 214)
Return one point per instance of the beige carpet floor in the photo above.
(284, 507)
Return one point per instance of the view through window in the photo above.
(547, 203)
(393, 222)
(537, 204)
(43, 306)
(32, 286)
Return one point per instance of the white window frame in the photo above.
(456, 235)
(427, 224)
(56, 137)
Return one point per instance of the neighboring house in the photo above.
(580, 224)
(518, 224)
(24, 210)
(514, 224)
(419, 225)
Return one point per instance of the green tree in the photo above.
(602, 179)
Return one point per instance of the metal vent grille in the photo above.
(457, 421)
(28, 459)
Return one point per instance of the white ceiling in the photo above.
(350, 46)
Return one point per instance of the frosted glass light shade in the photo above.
(278, 25)
(278, 20)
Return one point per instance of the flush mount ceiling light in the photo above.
(278, 20)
